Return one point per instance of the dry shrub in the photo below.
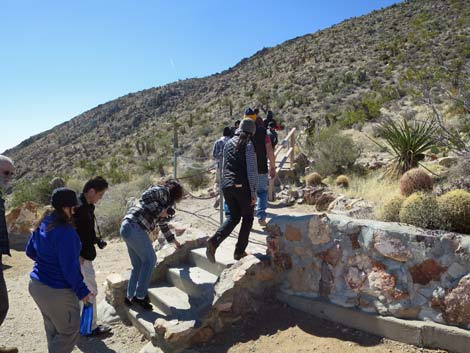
(415, 180)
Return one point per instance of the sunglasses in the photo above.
(8, 173)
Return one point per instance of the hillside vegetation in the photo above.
(352, 75)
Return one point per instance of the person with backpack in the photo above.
(56, 282)
(239, 186)
(85, 220)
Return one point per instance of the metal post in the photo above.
(292, 154)
(221, 196)
(175, 149)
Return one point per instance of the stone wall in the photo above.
(384, 268)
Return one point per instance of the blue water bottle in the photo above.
(86, 320)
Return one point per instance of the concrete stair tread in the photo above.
(224, 259)
(195, 281)
(171, 300)
(144, 320)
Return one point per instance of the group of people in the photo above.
(63, 244)
(242, 155)
(63, 248)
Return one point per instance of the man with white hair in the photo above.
(6, 174)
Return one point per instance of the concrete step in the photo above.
(223, 257)
(194, 281)
(144, 320)
(171, 300)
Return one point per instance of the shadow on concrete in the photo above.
(94, 344)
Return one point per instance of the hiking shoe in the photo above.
(262, 222)
(143, 304)
(210, 251)
(100, 330)
(128, 301)
(239, 256)
(4, 349)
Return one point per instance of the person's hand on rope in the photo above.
(176, 243)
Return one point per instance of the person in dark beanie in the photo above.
(234, 128)
(269, 119)
(84, 218)
(272, 133)
(154, 208)
(6, 174)
(56, 283)
(239, 186)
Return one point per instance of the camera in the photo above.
(101, 244)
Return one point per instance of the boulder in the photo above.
(21, 220)
(457, 303)
(447, 161)
(356, 208)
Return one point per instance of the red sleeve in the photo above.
(267, 139)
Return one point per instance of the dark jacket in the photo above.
(259, 141)
(85, 224)
(4, 243)
(56, 257)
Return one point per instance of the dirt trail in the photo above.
(279, 330)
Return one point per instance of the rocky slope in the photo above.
(351, 73)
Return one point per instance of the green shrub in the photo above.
(313, 179)
(39, 192)
(415, 180)
(421, 209)
(195, 178)
(334, 152)
(407, 142)
(342, 181)
(391, 209)
(454, 207)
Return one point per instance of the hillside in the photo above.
(352, 73)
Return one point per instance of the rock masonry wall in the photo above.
(377, 267)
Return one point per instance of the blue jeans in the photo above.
(143, 258)
(262, 202)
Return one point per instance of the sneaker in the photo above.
(239, 256)
(142, 303)
(100, 330)
(4, 349)
(128, 301)
(210, 251)
(262, 222)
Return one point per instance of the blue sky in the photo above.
(61, 58)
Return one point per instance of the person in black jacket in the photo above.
(93, 191)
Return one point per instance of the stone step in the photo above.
(194, 281)
(170, 300)
(144, 321)
(223, 257)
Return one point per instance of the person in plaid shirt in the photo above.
(140, 220)
(6, 174)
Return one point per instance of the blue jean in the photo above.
(143, 258)
(262, 202)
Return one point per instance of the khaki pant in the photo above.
(89, 277)
(61, 314)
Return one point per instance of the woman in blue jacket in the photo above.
(56, 283)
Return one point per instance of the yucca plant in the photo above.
(407, 142)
